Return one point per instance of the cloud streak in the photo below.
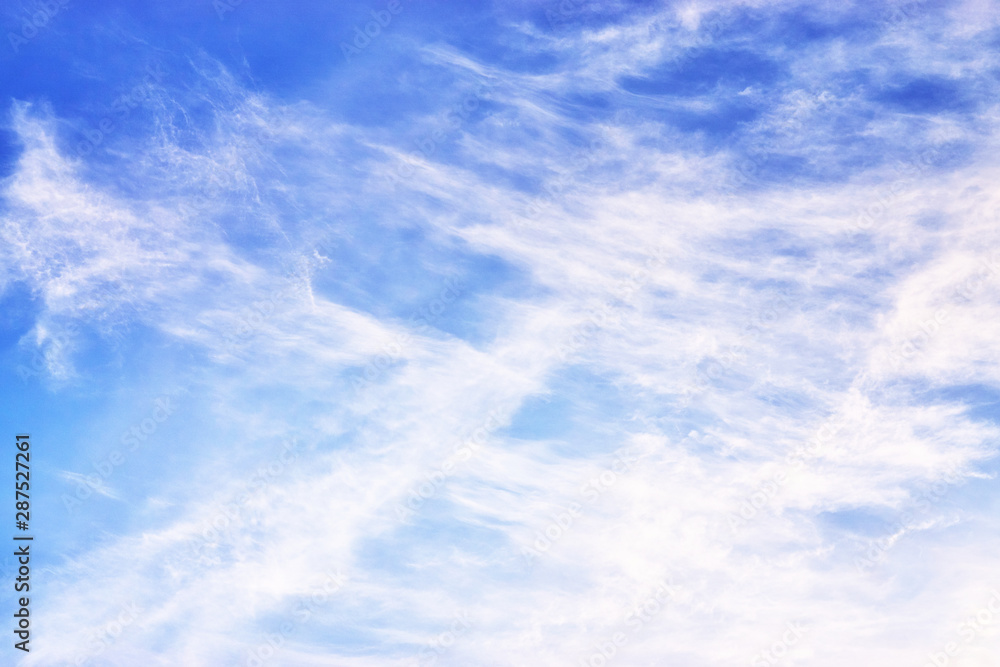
(465, 271)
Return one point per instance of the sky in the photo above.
(501, 334)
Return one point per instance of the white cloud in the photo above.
(850, 299)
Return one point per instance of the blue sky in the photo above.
(521, 333)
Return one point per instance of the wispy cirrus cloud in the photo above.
(687, 180)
